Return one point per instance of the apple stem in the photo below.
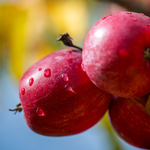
(17, 109)
(67, 40)
(147, 53)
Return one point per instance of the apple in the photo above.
(116, 54)
(57, 97)
(131, 121)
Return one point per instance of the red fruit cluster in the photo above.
(116, 54)
(116, 58)
(59, 97)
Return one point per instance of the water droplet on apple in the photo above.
(92, 32)
(69, 60)
(77, 68)
(23, 91)
(39, 111)
(134, 19)
(142, 14)
(47, 72)
(104, 17)
(129, 13)
(82, 67)
(148, 26)
(65, 77)
(31, 80)
(40, 69)
(69, 88)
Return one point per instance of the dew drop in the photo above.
(142, 14)
(82, 67)
(129, 13)
(134, 19)
(77, 68)
(148, 26)
(65, 77)
(39, 111)
(92, 32)
(23, 91)
(104, 17)
(69, 88)
(31, 81)
(47, 72)
(69, 60)
(40, 69)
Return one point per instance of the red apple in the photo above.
(116, 54)
(131, 121)
(58, 98)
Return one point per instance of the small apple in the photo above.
(116, 54)
(131, 121)
(58, 98)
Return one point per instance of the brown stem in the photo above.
(17, 109)
(67, 40)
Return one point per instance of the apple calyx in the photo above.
(147, 53)
(67, 40)
(147, 106)
(17, 109)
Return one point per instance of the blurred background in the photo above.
(28, 32)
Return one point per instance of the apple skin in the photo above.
(58, 98)
(113, 54)
(130, 120)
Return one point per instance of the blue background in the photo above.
(15, 134)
